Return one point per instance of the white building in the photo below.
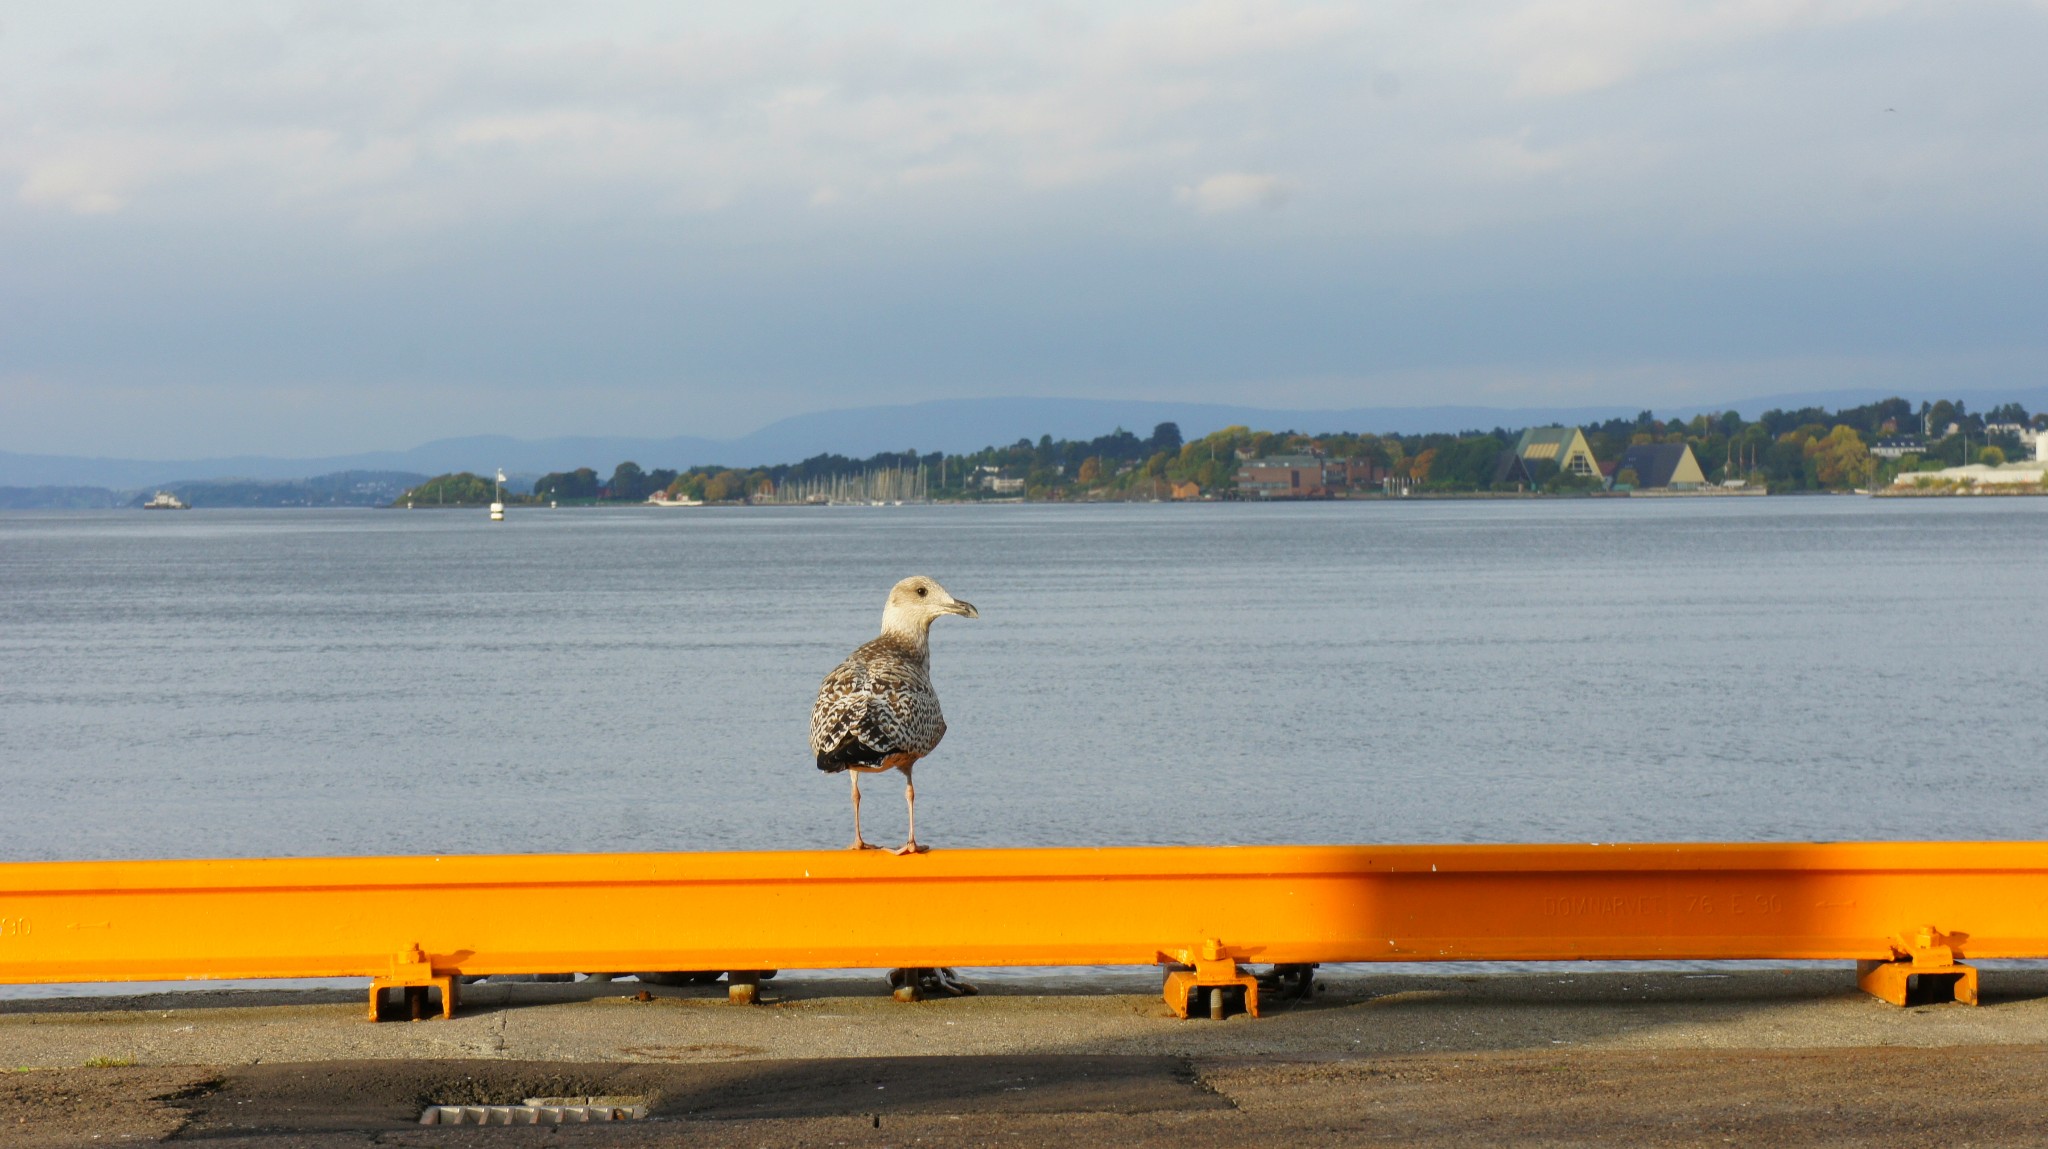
(1979, 475)
(2033, 441)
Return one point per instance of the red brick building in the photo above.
(1305, 476)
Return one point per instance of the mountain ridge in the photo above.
(951, 425)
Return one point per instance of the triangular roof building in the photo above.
(1509, 468)
(1565, 446)
(1661, 465)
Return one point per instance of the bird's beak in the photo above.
(963, 609)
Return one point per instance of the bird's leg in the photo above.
(910, 846)
(859, 843)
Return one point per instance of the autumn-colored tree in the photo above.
(724, 485)
(1418, 467)
(1840, 459)
(1091, 470)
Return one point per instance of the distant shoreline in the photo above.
(520, 509)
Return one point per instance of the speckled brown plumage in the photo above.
(877, 708)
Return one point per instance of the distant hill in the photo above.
(950, 425)
(60, 498)
(342, 489)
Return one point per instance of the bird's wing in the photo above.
(914, 705)
(881, 703)
(844, 700)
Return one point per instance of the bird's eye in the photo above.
(920, 592)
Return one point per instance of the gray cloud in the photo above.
(328, 227)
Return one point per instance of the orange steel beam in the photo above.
(1902, 908)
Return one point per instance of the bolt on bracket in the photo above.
(1210, 966)
(412, 972)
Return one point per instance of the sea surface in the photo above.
(270, 683)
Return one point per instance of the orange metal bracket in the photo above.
(1208, 967)
(1924, 969)
(452, 917)
(413, 973)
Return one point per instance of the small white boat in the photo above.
(661, 499)
(166, 501)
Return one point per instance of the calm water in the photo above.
(336, 682)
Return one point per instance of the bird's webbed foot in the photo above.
(913, 846)
(916, 983)
(863, 844)
(949, 983)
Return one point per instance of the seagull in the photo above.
(877, 710)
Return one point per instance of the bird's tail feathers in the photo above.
(852, 752)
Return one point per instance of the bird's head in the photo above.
(916, 601)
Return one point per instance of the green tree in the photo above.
(1465, 465)
(1565, 482)
(460, 489)
(1784, 462)
(580, 483)
(1942, 414)
(628, 483)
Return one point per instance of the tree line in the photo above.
(1783, 450)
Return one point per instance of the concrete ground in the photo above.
(1558, 1058)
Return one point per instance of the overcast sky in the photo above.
(302, 228)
